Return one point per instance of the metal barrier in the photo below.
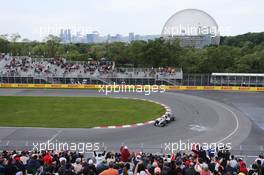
(187, 80)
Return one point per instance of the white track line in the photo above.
(7, 143)
(237, 123)
(54, 136)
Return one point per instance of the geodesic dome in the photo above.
(191, 22)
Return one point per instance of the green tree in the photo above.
(4, 45)
(39, 50)
(52, 43)
(97, 51)
(135, 52)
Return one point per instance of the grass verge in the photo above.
(74, 112)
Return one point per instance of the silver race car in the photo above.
(169, 116)
(165, 119)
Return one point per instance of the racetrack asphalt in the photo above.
(201, 116)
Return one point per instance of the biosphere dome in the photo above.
(191, 22)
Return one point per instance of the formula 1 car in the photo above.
(169, 116)
(161, 122)
(164, 120)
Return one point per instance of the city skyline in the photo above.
(66, 36)
(33, 19)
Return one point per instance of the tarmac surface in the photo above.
(210, 117)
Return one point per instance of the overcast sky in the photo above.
(33, 19)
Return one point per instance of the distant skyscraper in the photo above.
(61, 35)
(137, 37)
(65, 36)
(93, 37)
(131, 36)
(118, 37)
(69, 35)
(108, 40)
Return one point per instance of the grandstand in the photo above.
(60, 71)
(57, 70)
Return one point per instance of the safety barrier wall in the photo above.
(168, 88)
(217, 88)
(52, 86)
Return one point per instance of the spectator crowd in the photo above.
(125, 162)
(28, 67)
(22, 66)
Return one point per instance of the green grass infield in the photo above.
(74, 112)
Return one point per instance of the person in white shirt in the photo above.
(233, 162)
(77, 166)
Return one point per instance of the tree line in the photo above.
(242, 53)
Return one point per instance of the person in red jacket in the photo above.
(125, 154)
(242, 167)
(47, 159)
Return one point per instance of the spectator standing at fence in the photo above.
(99, 157)
(24, 157)
(233, 162)
(47, 159)
(229, 168)
(125, 154)
(242, 167)
(261, 158)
